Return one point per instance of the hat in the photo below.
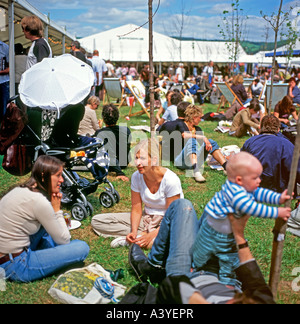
(294, 222)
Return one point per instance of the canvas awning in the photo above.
(11, 14)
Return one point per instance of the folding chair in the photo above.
(279, 92)
(113, 90)
(227, 92)
(138, 90)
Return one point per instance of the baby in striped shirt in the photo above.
(240, 196)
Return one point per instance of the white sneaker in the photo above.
(199, 177)
(119, 241)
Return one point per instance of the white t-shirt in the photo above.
(171, 113)
(179, 72)
(155, 204)
(99, 66)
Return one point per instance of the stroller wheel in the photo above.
(116, 196)
(79, 212)
(107, 199)
(90, 209)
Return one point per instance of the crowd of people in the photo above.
(203, 259)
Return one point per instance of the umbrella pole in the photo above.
(280, 228)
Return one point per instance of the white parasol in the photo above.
(56, 83)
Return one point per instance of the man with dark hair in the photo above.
(171, 112)
(167, 130)
(77, 52)
(275, 152)
(118, 144)
(33, 30)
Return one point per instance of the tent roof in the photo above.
(122, 46)
(283, 51)
(21, 9)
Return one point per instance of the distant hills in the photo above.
(250, 48)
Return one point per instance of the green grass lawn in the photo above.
(259, 232)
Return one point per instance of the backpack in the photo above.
(17, 158)
(12, 125)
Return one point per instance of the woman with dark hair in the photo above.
(35, 241)
(244, 121)
(294, 91)
(284, 109)
(118, 141)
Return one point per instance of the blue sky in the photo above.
(201, 17)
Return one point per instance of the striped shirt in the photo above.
(234, 199)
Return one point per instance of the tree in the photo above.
(233, 29)
(151, 72)
(276, 21)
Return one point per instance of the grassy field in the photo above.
(259, 232)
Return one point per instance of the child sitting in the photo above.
(239, 196)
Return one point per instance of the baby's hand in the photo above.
(284, 213)
(284, 197)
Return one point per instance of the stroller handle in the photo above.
(83, 148)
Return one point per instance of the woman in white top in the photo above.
(153, 186)
(34, 239)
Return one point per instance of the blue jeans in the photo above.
(172, 248)
(44, 258)
(182, 161)
(210, 246)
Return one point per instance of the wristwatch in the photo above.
(243, 246)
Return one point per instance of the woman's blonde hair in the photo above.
(93, 100)
(192, 111)
(238, 79)
(150, 145)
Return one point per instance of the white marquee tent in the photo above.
(120, 45)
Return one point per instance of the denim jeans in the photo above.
(182, 161)
(172, 248)
(216, 252)
(44, 258)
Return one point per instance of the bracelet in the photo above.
(243, 246)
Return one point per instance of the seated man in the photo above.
(171, 112)
(256, 88)
(195, 91)
(118, 144)
(275, 152)
(167, 131)
(294, 91)
(195, 146)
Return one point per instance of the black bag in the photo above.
(12, 125)
(142, 293)
(290, 132)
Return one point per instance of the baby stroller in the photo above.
(46, 135)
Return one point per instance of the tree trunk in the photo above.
(151, 72)
(274, 58)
